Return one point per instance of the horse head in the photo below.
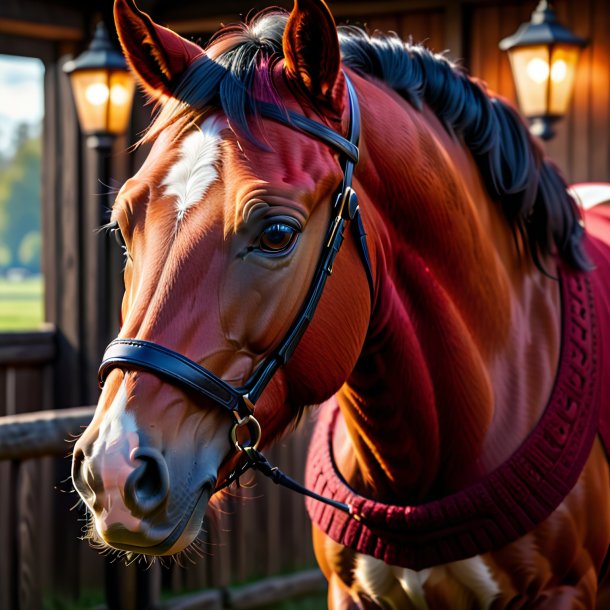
(222, 228)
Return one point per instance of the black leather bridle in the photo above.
(136, 354)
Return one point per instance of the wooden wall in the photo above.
(26, 384)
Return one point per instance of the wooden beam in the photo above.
(454, 29)
(203, 25)
(43, 31)
(42, 433)
(20, 348)
(357, 9)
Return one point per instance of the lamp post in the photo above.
(103, 91)
(543, 56)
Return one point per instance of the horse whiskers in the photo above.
(195, 550)
(78, 504)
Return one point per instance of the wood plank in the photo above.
(45, 31)
(50, 193)
(303, 434)
(28, 533)
(49, 487)
(28, 347)
(68, 553)
(277, 589)
(488, 37)
(3, 390)
(8, 548)
(454, 20)
(600, 93)
(27, 47)
(381, 23)
(559, 147)
(580, 112)
(511, 16)
(42, 12)
(41, 433)
(425, 27)
(29, 388)
(67, 259)
(473, 58)
(219, 532)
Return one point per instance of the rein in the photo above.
(136, 354)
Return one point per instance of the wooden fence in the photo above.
(261, 531)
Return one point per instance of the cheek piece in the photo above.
(173, 367)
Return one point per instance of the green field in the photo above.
(21, 304)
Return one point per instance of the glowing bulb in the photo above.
(559, 71)
(97, 94)
(538, 70)
(119, 95)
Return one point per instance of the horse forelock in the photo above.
(236, 69)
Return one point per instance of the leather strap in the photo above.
(318, 131)
(170, 365)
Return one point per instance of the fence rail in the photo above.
(41, 433)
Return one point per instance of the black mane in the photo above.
(529, 188)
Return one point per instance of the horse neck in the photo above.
(435, 372)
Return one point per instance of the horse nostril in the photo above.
(147, 486)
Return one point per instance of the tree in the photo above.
(20, 196)
(29, 251)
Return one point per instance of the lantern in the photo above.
(103, 88)
(543, 56)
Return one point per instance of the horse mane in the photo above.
(528, 186)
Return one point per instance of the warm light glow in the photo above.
(543, 56)
(119, 95)
(559, 71)
(103, 100)
(544, 90)
(97, 94)
(538, 70)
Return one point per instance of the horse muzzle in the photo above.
(138, 501)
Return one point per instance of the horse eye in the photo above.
(277, 238)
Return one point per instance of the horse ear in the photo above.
(157, 55)
(311, 48)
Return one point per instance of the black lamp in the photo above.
(103, 90)
(543, 56)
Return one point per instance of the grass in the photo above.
(21, 304)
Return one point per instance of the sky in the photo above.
(21, 95)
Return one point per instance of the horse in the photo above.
(336, 218)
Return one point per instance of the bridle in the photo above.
(173, 367)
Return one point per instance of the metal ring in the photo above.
(254, 428)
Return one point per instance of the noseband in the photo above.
(136, 354)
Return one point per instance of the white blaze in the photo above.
(117, 423)
(194, 172)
